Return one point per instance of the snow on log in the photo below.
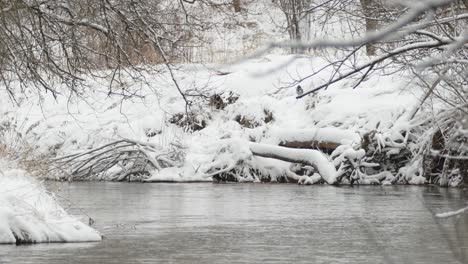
(323, 138)
(306, 156)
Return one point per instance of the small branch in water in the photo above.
(452, 213)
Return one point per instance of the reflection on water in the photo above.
(257, 223)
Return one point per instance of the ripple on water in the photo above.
(252, 223)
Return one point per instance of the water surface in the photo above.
(257, 223)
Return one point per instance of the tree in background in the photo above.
(237, 5)
(47, 42)
(370, 11)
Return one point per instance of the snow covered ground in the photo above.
(66, 125)
(30, 214)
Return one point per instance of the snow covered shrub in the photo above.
(151, 132)
(445, 161)
(217, 102)
(122, 160)
(231, 163)
(307, 174)
(246, 122)
(231, 98)
(268, 116)
(254, 170)
(313, 101)
(409, 151)
(220, 101)
(14, 147)
(234, 162)
(388, 155)
(196, 118)
(190, 121)
(242, 172)
(9, 136)
(255, 121)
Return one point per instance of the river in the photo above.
(257, 223)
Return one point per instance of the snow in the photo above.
(412, 172)
(386, 183)
(346, 152)
(327, 134)
(417, 180)
(341, 114)
(174, 174)
(28, 213)
(310, 157)
(309, 180)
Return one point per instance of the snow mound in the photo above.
(29, 214)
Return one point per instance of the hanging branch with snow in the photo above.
(118, 161)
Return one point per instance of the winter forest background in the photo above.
(365, 92)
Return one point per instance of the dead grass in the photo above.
(14, 148)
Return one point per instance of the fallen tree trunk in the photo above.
(305, 156)
(327, 147)
(325, 139)
(327, 134)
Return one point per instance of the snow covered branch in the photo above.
(452, 213)
(308, 157)
(118, 161)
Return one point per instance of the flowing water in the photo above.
(257, 223)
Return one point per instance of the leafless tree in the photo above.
(47, 43)
(369, 8)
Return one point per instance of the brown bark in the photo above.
(326, 147)
(324, 139)
(237, 5)
(369, 10)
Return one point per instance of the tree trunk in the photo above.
(310, 157)
(237, 5)
(327, 147)
(326, 138)
(370, 12)
(294, 27)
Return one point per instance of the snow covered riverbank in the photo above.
(30, 214)
(254, 101)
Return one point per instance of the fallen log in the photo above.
(310, 157)
(325, 139)
(327, 147)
